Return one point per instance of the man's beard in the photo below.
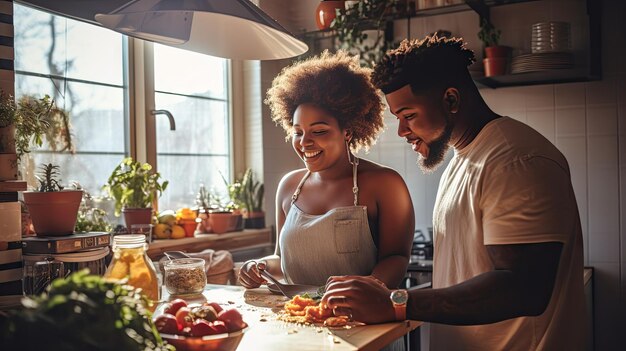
(436, 151)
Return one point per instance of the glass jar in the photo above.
(185, 276)
(131, 261)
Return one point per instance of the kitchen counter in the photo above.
(258, 307)
(249, 238)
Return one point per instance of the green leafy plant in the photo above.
(209, 201)
(252, 192)
(8, 110)
(36, 120)
(133, 185)
(48, 178)
(89, 218)
(488, 34)
(82, 312)
(351, 26)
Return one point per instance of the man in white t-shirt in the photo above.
(508, 261)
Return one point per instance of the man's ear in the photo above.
(452, 99)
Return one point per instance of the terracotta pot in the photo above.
(223, 222)
(189, 225)
(325, 13)
(137, 216)
(255, 220)
(7, 139)
(495, 66)
(53, 213)
(497, 51)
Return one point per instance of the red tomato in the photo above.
(201, 328)
(232, 319)
(167, 324)
(183, 318)
(215, 306)
(173, 306)
(219, 327)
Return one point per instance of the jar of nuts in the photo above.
(185, 276)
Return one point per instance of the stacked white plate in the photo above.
(541, 62)
(550, 37)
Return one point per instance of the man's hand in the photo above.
(365, 299)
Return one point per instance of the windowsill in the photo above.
(249, 238)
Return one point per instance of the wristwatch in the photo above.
(399, 298)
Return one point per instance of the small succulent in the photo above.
(48, 178)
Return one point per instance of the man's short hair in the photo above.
(429, 63)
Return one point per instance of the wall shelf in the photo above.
(591, 71)
(536, 78)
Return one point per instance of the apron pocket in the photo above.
(345, 240)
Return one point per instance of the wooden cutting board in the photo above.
(259, 307)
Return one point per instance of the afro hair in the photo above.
(335, 83)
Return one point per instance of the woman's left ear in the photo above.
(348, 134)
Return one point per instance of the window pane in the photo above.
(193, 87)
(189, 73)
(186, 173)
(91, 171)
(201, 125)
(96, 112)
(76, 50)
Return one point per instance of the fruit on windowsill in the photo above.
(178, 232)
(167, 217)
(162, 231)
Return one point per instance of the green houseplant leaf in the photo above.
(133, 185)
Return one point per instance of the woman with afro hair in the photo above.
(340, 215)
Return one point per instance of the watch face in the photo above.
(399, 297)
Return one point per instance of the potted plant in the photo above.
(366, 29)
(496, 56)
(52, 209)
(218, 215)
(91, 218)
(134, 186)
(252, 201)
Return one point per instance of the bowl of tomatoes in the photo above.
(200, 327)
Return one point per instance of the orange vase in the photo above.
(325, 13)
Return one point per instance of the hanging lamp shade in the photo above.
(235, 29)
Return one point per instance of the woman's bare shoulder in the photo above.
(376, 172)
(290, 181)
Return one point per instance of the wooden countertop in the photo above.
(248, 238)
(266, 333)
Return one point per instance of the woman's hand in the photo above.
(249, 275)
(365, 299)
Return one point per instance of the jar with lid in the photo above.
(131, 261)
(185, 276)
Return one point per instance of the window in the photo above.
(193, 87)
(84, 68)
(81, 67)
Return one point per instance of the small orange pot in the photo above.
(137, 216)
(495, 66)
(189, 225)
(325, 13)
(223, 222)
